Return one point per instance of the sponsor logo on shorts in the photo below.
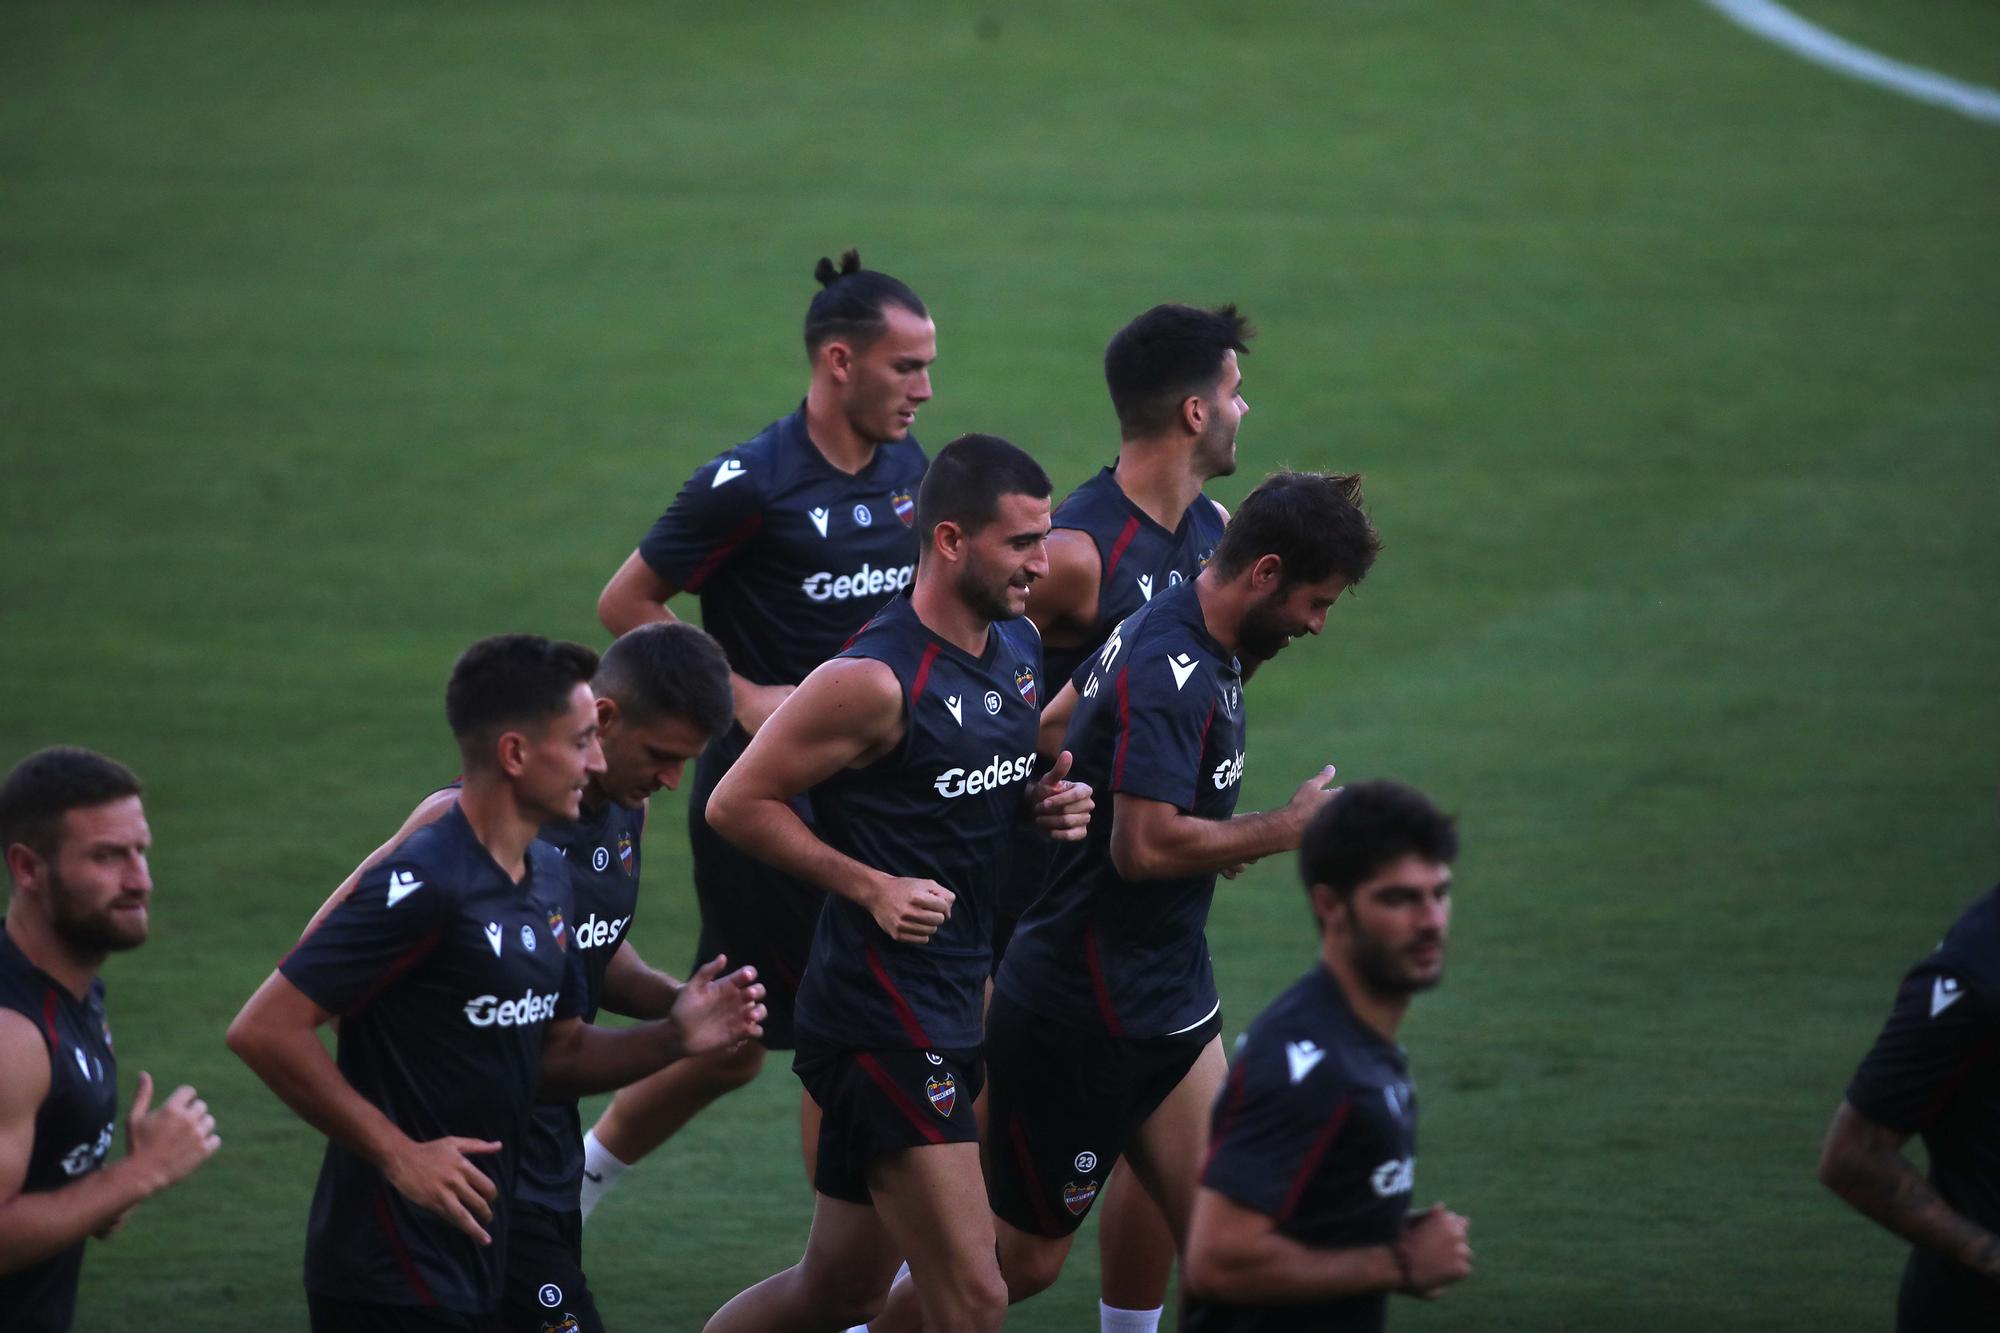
(867, 581)
(491, 1011)
(1393, 1177)
(1078, 1198)
(943, 1093)
(998, 772)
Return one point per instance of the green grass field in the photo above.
(334, 338)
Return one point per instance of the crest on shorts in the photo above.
(906, 508)
(625, 853)
(943, 1094)
(1024, 681)
(1078, 1198)
(555, 929)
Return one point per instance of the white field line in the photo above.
(1775, 23)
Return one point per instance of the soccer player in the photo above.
(1138, 527)
(1103, 1039)
(459, 989)
(1303, 1218)
(791, 541)
(1931, 1073)
(662, 693)
(918, 744)
(75, 837)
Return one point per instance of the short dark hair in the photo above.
(511, 680)
(1312, 521)
(1154, 363)
(668, 667)
(48, 784)
(1367, 826)
(964, 483)
(850, 303)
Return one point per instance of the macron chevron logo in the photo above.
(401, 885)
(728, 472)
(1302, 1056)
(818, 517)
(1945, 992)
(1183, 667)
(1146, 586)
(956, 709)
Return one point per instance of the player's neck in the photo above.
(1222, 607)
(828, 429)
(71, 970)
(1156, 476)
(1379, 1013)
(503, 828)
(946, 615)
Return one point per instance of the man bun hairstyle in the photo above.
(966, 480)
(1164, 357)
(851, 301)
(1367, 826)
(510, 681)
(49, 784)
(1312, 521)
(670, 667)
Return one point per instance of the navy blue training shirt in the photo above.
(1137, 558)
(942, 806)
(602, 851)
(1935, 1072)
(788, 554)
(73, 1126)
(445, 974)
(1317, 1130)
(1159, 716)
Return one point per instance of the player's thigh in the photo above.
(1166, 1151)
(932, 1200)
(850, 1256)
(1057, 1119)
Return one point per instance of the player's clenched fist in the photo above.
(438, 1176)
(1061, 808)
(1436, 1249)
(910, 910)
(173, 1138)
(714, 1012)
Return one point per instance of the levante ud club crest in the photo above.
(1024, 681)
(1077, 1198)
(625, 852)
(905, 507)
(943, 1094)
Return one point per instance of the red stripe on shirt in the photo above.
(49, 1003)
(403, 1260)
(1097, 984)
(904, 1014)
(897, 1098)
(1124, 730)
(923, 675)
(713, 560)
(1206, 723)
(1037, 1194)
(1311, 1162)
(1125, 536)
(404, 961)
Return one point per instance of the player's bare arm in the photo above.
(429, 810)
(1863, 1163)
(277, 1035)
(847, 713)
(164, 1146)
(637, 595)
(1238, 1254)
(1063, 604)
(635, 988)
(1055, 722)
(713, 1012)
(1155, 840)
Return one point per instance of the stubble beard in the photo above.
(89, 933)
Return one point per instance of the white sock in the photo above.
(1111, 1319)
(600, 1172)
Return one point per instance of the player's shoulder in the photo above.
(432, 860)
(1309, 1036)
(1090, 502)
(1967, 959)
(753, 467)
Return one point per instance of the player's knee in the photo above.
(1033, 1266)
(974, 1298)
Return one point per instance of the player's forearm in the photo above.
(636, 989)
(297, 1068)
(593, 1059)
(36, 1225)
(1272, 1269)
(1886, 1187)
(770, 830)
(1190, 845)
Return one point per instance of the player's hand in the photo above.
(910, 911)
(173, 1138)
(1314, 793)
(714, 1012)
(438, 1176)
(1061, 809)
(1435, 1244)
(756, 703)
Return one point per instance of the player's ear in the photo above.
(24, 863)
(949, 539)
(1326, 907)
(839, 360)
(512, 752)
(1268, 573)
(608, 713)
(1194, 413)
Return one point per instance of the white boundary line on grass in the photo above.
(1775, 23)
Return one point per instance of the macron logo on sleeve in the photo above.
(402, 884)
(956, 709)
(1945, 992)
(728, 472)
(1183, 666)
(1302, 1056)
